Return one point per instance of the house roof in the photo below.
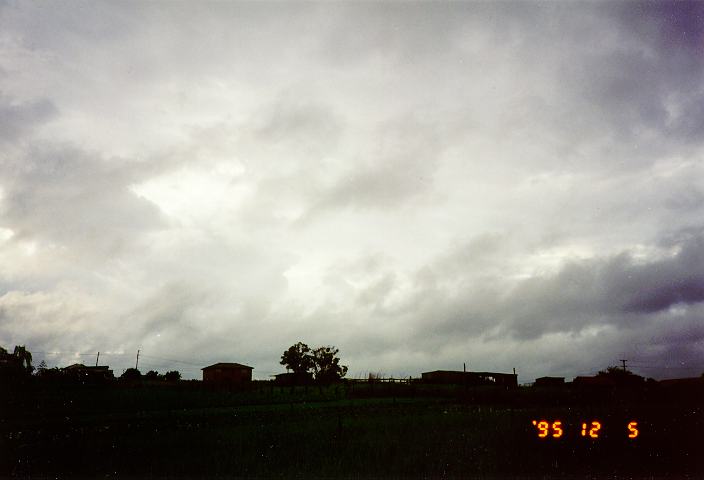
(80, 366)
(227, 365)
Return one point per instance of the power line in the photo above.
(172, 360)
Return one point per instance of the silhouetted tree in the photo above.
(15, 367)
(172, 376)
(131, 374)
(621, 376)
(151, 375)
(297, 358)
(326, 365)
(23, 358)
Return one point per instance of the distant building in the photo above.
(83, 372)
(549, 382)
(449, 377)
(227, 374)
(683, 382)
(598, 381)
(612, 379)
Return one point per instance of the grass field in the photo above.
(386, 432)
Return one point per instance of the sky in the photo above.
(421, 185)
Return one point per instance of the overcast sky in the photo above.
(419, 184)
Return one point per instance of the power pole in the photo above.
(96, 359)
(623, 361)
(137, 363)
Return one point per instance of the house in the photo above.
(449, 377)
(83, 372)
(549, 382)
(227, 373)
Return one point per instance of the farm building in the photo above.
(84, 372)
(450, 377)
(227, 373)
(549, 382)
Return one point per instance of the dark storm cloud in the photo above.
(673, 25)
(618, 291)
(457, 297)
(659, 285)
(654, 82)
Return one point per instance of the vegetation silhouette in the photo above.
(323, 363)
(355, 428)
(131, 374)
(297, 358)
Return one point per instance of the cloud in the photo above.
(507, 184)
(61, 195)
(17, 119)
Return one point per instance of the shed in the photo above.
(78, 370)
(550, 382)
(227, 373)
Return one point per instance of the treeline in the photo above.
(16, 368)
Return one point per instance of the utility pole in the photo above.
(623, 361)
(137, 364)
(96, 359)
(464, 367)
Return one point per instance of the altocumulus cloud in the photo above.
(510, 184)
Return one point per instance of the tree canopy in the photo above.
(297, 358)
(323, 362)
(131, 374)
(326, 365)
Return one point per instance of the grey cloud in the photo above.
(652, 78)
(398, 168)
(33, 318)
(390, 131)
(73, 198)
(17, 119)
(659, 285)
(606, 291)
(298, 124)
(673, 26)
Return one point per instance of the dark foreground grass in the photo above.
(296, 434)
